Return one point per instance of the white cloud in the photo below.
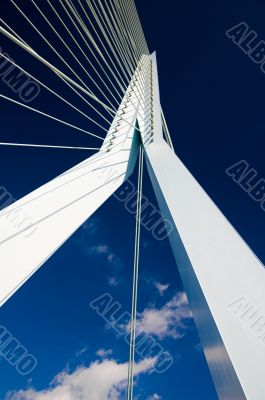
(104, 250)
(169, 321)
(104, 353)
(198, 347)
(104, 380)
(91, 226)
(161, 288)
(155, 397)
(92, 244)
(113, 259)
(113, 281)
(98, 249)
(81, 351)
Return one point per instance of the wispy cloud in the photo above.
(82, 351)
(98, 249)
(91, 226)
(161, 287)
(169, 321)
(113, 281)
(154, 282)
(100, 381)
(198, 347)
(155, 397)
(104, 353)
(90, 241)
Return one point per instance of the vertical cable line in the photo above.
(135, 277)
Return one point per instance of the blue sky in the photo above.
(213, 99)
(63, 332)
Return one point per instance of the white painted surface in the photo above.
(58, 208)
(217, 268)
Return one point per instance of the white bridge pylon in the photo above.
(62, 205)
(224, 281)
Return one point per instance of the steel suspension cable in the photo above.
(129, 76)
(124, 54)
(54, 69)
(168, 137)
(101, 26)
(135, 278)
(123, 43)
(12, 31)
(116, 54)
(49, 44)
(47, 146)
(114, 40)
(82, 51)
(138, 25)
(132, 17)
(91, 50)
(113, 30)
(71, 52)
(82, 24)
(88, 34)
(54, 93)
(66, 79)
(125, 28)
(49, 116)
(63, 75)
